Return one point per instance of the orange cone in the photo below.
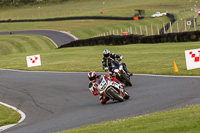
(175, 67)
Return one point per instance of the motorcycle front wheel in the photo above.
(126, 95)
(115, 95)
(126, 80)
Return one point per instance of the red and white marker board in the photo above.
(192, 58)
(33, 60)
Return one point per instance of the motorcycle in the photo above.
(112, 90)
(120, 74)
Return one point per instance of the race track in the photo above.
(57, 37)
(55, 101)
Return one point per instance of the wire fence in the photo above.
(154, 29)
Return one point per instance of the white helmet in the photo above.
(106, 53)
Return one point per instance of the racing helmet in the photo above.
(106, 53)
(92, 75)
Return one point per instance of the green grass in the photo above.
(89, 28)
(13, 44)
(140, 58)
(91, 8)
(8, 116)
(183, 120)
(86, 28)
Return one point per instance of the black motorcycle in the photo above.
(119, 72)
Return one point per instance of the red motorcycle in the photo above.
(112, 90)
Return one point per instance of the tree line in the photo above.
(4, 3)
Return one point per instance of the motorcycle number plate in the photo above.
(104, 86)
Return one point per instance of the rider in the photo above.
(107, 59)
(94, 81)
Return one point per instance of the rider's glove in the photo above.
(109, 77)
(122, 85)
(120, 58)
(106, 68)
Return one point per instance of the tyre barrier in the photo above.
(167, 26)
(70, 18)
(136, 39)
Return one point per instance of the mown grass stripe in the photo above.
(12, 44)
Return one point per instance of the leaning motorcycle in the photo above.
(112, 90)
(121, 75)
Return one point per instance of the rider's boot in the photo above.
(126, 70)
(103, 99)
(129, 73)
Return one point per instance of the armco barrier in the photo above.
(135, 39)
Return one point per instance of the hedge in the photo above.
(135, 39)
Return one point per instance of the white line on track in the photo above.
(51, 41)
(149, 75)
(70, 35)
(38, 71)
(23, 116)
(168, 76)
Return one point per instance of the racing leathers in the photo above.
(107, 63)
(93, 86)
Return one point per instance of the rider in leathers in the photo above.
(95, 81)
(107, 59)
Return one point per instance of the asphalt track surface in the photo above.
(56, 101)
(57, 37)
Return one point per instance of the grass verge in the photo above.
(140, 58)
(13, 44)
(8, 116)
(183, 120)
